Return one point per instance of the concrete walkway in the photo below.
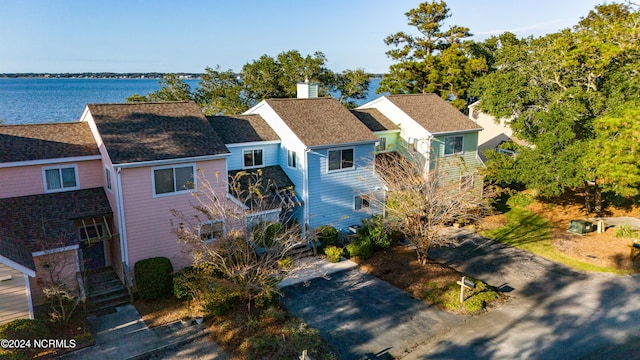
(123, 335)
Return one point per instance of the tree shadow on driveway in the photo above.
(364, 317)
(556, 312)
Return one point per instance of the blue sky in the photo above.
(189, 35)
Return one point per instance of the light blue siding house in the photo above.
(328, 154)
(255, 161)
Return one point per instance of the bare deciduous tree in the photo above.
(59, 271)
(252, 261)
(421, 207)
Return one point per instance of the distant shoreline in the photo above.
(99, 75)
(105, 75)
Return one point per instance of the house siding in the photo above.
(391, 140)
(114, 248)
(270, 155)
(65, 266)
(450, 168)
(14, 301)
(149, 219)
(331, 194)
(27, 180)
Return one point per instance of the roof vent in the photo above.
(307, 90)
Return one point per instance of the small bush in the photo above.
(625, 231)
(334, 253)
(479, 300)
(327, 235)
(154, 277)
(187, 282)
(220, 299)
(26, 329)
(377, 234)
(520, 200)
(264, 233)
(362, 249)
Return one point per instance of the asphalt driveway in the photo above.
(364, 317)
(553, 313)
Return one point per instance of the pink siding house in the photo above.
(99, 193)
(51, 199)
(152, 155)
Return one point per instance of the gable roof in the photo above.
(374, 120)
(242, 128)
(46, 141)
(139, 132)
(46, 221)
(433, 113)
(321, 121)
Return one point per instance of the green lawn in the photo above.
(529, 231)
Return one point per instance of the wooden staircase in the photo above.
(105, 291)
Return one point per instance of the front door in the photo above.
(93, 255)
(92, 246)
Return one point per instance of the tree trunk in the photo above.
(597, 196)
(423, 254)
(587, 195)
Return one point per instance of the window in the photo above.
(108, 177)
(91, 232)
(60, 178)
(340, 159)
(453, 145)
(291, 158)
(361, 202)
(466, 182)
(252, 158)
(382, 144)
(211, 230)
(173, 179)
(411, 145)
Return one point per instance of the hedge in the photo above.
(154, 277)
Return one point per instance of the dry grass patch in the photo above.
(433, 282)
(160, 311)
(598, 249)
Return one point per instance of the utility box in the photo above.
(581, 226)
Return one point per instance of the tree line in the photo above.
(573, 95)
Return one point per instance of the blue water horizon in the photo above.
(47, 100)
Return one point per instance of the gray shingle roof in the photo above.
(46, 141)
(12, 249)
(242, 128)
(321, 121)
(46, 221)
(374, 120)
(433, 113)
(137, 132)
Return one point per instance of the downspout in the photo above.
(29, 298)
(124, 252)
(428, 162)
(305, 191)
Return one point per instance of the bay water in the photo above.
(45, 100)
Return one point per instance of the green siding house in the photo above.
(429, 130)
